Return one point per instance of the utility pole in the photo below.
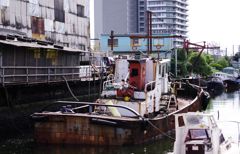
(233, 50)
(149, 32)
(111, 39)
(175, 49)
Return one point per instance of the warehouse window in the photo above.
(59, 11)
(80, 10)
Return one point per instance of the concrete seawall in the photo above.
(24, 94)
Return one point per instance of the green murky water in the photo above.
(225, 107)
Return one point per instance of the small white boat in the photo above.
(198, 133)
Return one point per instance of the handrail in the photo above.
(107, 105)
(107, 83)
(47, 73)
(45, 67)
(110, 76)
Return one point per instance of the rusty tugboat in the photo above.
(137, 105)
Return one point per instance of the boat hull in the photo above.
(58, 128)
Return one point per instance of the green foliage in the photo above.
(204, 65)
(209, 58)
(223, 62)
(182, 55)
(199, 65)
(216, 66)
(182, 63)
(182, 67)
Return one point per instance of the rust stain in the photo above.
(38, 31)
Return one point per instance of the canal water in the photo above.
(225, 107)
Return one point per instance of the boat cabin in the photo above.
(198, 133)
(138, 84)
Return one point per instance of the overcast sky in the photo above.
(215, 21)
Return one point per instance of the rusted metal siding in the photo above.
(80, 130)
(72, 31)
(38, 30)
(77, 129)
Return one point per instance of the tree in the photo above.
(209, 58)
(204, 65)
(216, 66)
(199, 64)
(182, 60)
(221, 63)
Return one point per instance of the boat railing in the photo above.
(150, 86)
(107, 85)
(90, 106)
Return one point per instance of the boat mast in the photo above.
(149, 32)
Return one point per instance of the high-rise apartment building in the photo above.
(169, 17)
(142, 21)
(117, 15)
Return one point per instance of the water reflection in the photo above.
(227, 105)
(160, 147)
(226, 109)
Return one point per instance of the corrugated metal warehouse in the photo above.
(43, 44)
(65, 22)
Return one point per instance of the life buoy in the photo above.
(125, 92)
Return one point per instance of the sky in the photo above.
(215, 21)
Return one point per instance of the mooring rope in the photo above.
(165, 134)
(69, 89)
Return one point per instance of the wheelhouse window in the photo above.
(163, 70)
(160, 69)
(196, 134)
(134, 72)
